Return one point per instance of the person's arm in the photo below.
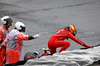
(22, 36)
(78, 41)
(1, 36)
(34, 37)
(27, 37)
(5, 42)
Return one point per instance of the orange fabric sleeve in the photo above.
(23, 36)
(1, 35)
(20, 38)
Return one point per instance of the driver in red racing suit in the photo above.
(57, 40)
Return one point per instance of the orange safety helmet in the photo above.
(72, 29)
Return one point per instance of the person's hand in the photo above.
(36, 36)
(89, 46)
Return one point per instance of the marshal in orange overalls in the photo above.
(14, 44)
(3, 33)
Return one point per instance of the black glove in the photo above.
(31, 37)
(1, 41)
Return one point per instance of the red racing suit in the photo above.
(57, 40)
(14, 44)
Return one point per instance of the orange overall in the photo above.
(14, 44)
(3, 33)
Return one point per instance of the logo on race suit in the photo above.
(58, 32)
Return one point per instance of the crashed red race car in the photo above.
(31, 55)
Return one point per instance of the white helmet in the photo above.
(6, 19)
(19, 25)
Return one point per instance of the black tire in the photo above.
(28, 54)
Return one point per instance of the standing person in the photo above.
(4, 29)
(57, 40)
(14, 43)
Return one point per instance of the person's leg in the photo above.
(2, 55)
(52, 47)
(63, 44)
(52, 50)
(12, 56)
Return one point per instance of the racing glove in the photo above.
(89, 46)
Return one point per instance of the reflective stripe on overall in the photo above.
(3, 33)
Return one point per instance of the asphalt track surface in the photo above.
(47, 16)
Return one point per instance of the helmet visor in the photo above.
(8, 20)
(23, 29)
